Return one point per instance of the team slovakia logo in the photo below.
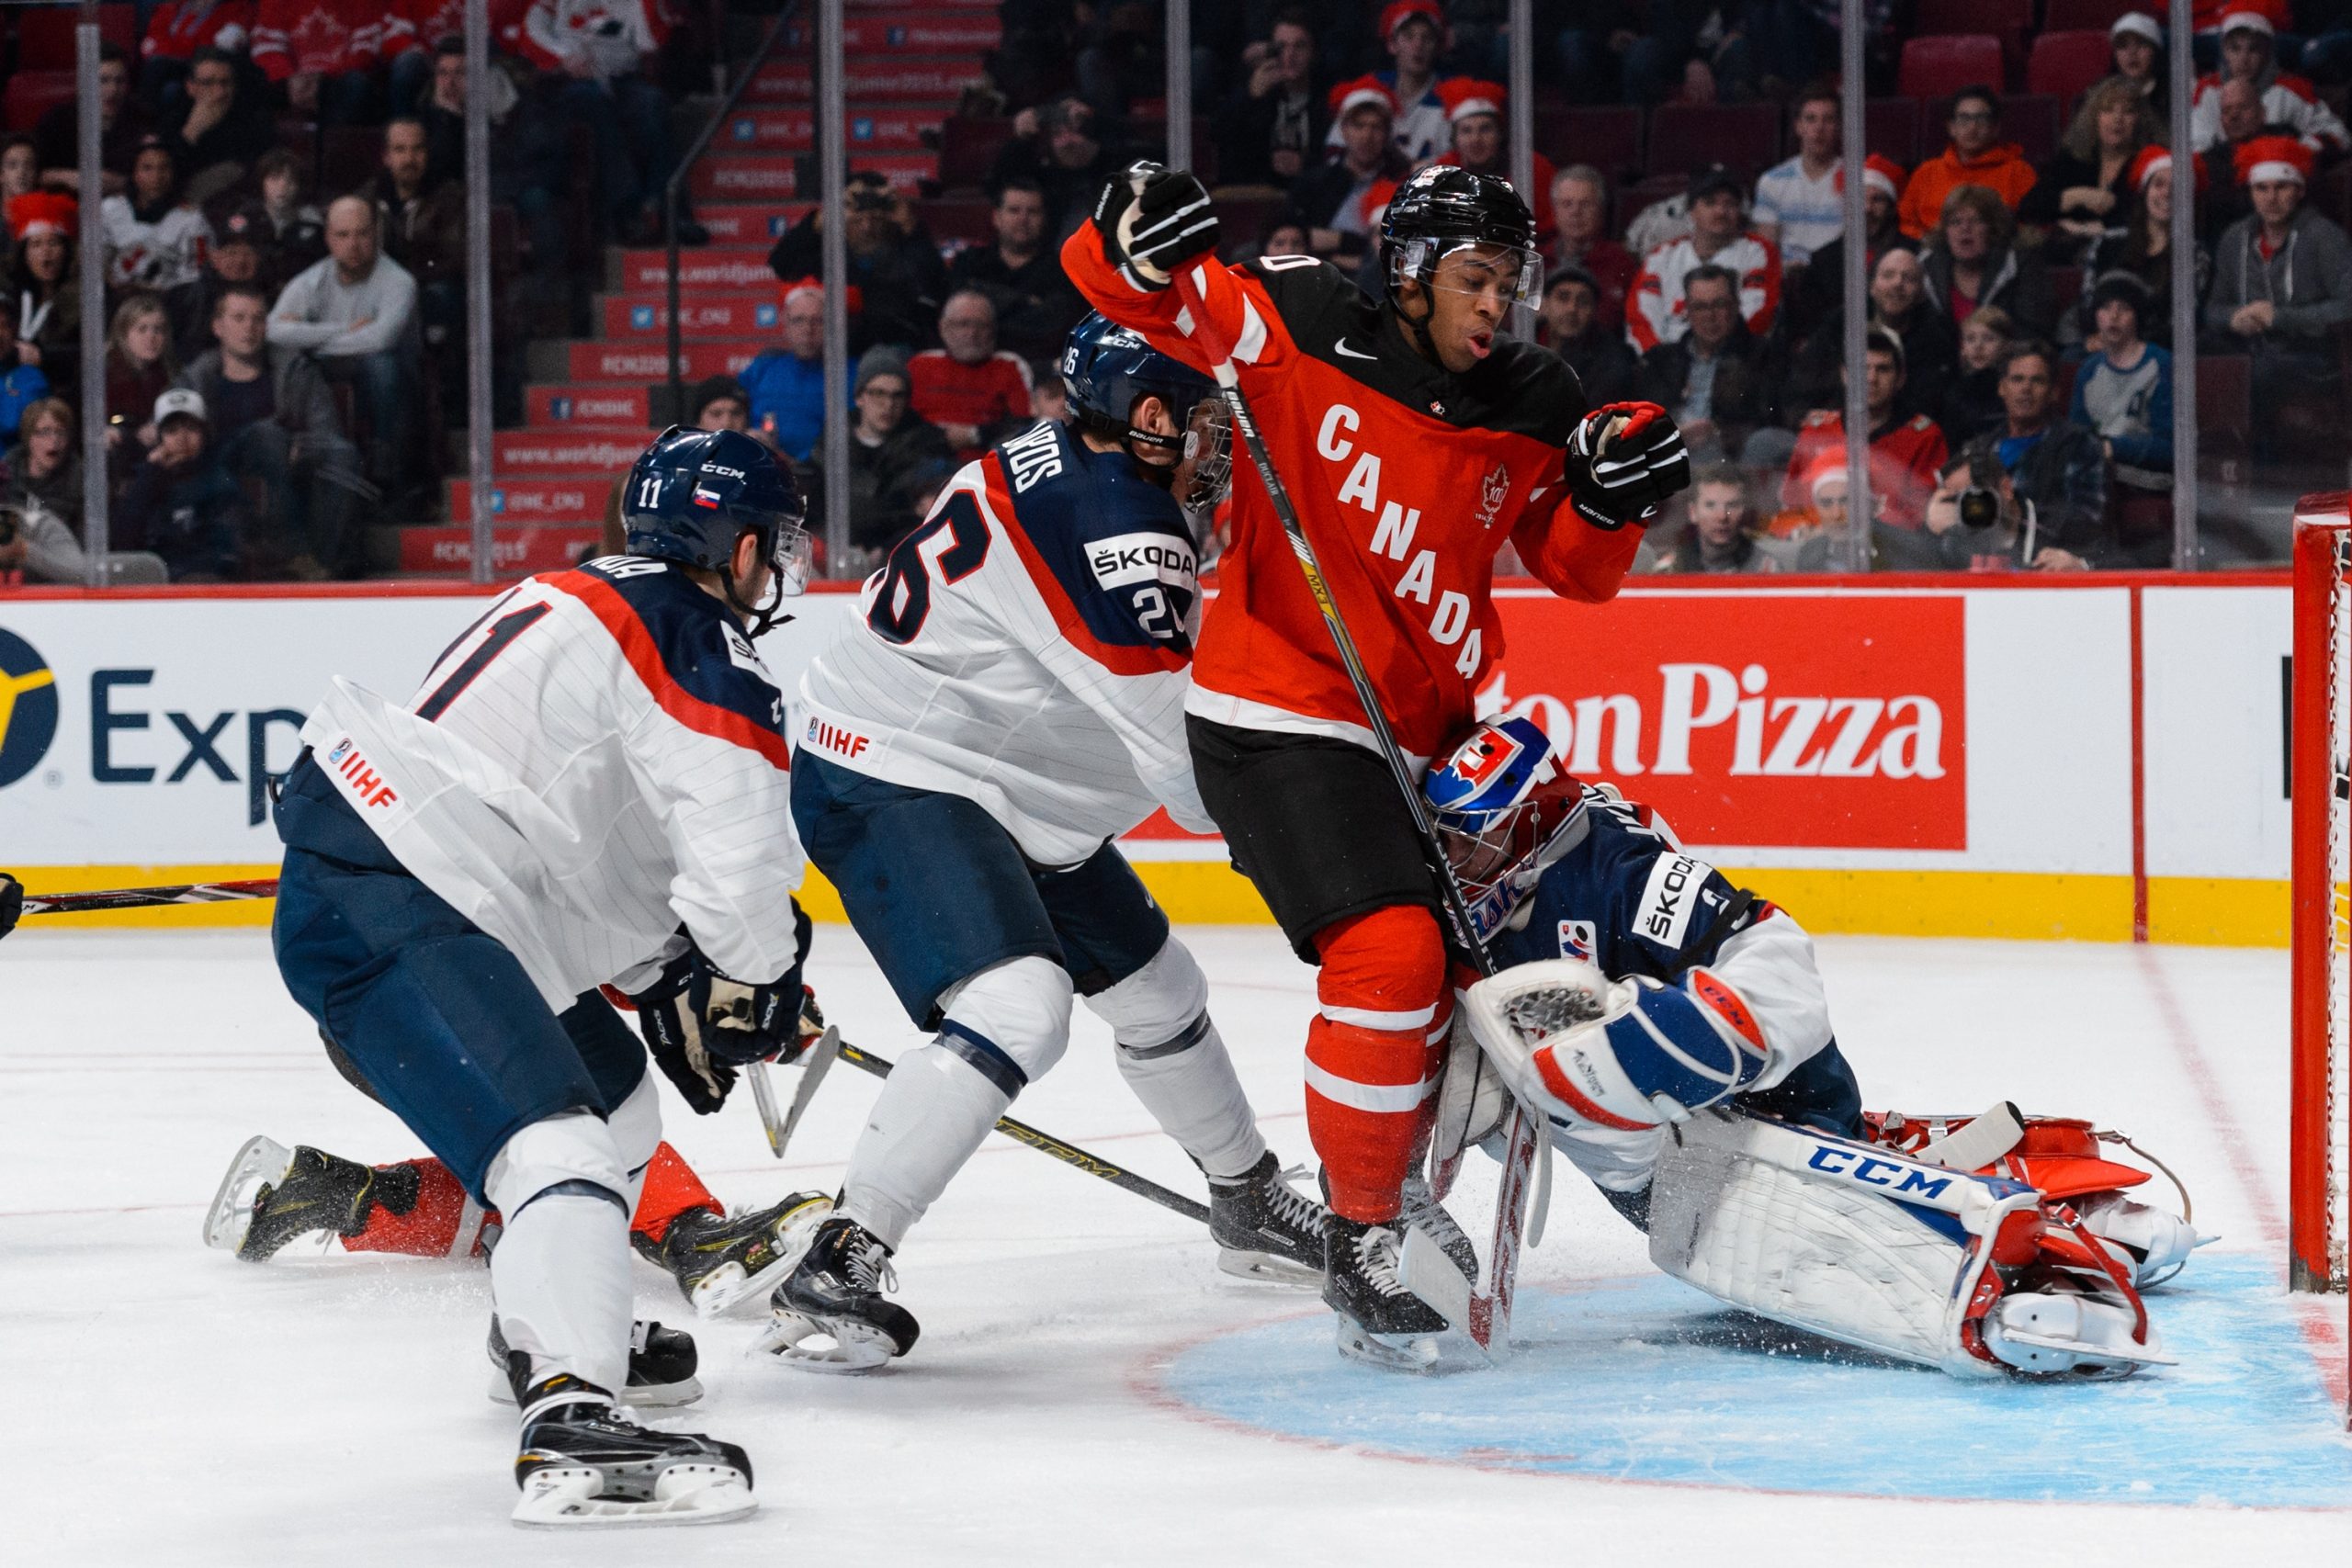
(1576, 938)
(28, 709)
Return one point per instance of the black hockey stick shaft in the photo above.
(148, 897)
(1207, 331)
(1046, 1143)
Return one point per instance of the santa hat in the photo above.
(2264, 158)
(1349, 96)
(1879, 174)
(41, 212)
(2154, 160)
(1399, 12)
(2247, 21)
(1463, 97)
(1823, 474)
(2138, 22)
(851, 297)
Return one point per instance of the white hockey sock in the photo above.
(1176, 1065)
(1190, 1088)
(933, 1111)
(635, 1124)
(559, 1277)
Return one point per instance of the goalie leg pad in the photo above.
(1948, 1270)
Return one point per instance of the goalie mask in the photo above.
(1504, 810)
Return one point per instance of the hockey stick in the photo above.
(1486, 1317)
(148, 897)
(1046, 1143)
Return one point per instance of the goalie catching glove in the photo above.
(1154, 219)
(1627, 1055)
(700, 1024)
(1625, 460)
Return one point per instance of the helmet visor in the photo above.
(1511, 274)
(793, 560)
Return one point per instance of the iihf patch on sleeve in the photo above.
(1668, 897)
(1576, 938)
(1128, 559)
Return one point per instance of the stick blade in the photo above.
(1429, 1273)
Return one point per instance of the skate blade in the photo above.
(808, 1345)
(261, 1162)
(648, 1396)
(684, 1495)
(1267, 1268)
(1390, 1352)
(729, 1288)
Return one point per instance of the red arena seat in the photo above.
(1938, 67)
(2062, 64)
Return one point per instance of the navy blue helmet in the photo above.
(693, 492)
(1109, 368)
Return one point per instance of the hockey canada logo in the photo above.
(28, 709)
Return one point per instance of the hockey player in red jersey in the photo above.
(1415, 439)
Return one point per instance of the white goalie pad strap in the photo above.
(1827, 1236)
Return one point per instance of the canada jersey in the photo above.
(595, 761)
(1026, 649)
(1406, 478)
(1629, 898)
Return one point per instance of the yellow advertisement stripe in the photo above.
(2019, 906)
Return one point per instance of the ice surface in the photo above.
(1089, 1388)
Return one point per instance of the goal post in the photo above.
(2319, 759)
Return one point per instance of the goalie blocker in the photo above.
(1674, 1030)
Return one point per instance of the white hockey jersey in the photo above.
(1654, 311)
(1027, 649)
(2287, 100)
(596, 759)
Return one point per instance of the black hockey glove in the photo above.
(1153, 220)
(1625, 460)
(12, 902)
(701, 1024)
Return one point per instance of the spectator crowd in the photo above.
(280, 355)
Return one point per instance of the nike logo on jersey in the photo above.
(1342, 349)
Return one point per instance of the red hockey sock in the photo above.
(670, 1188)
(1368, 1056)
(435, 1219)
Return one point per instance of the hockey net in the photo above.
(2320, 788)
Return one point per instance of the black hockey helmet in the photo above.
(693, 492)
(1444, 208)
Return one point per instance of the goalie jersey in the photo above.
(1027, 649)
(1625, 896)
(597, 760)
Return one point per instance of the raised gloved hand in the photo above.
(701, 1023)
(1625, 460)
(1153, 219)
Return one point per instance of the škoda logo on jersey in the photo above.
(1845, 727)
(1141, 557)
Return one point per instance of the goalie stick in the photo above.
(1486, 1313)
(1046, 1143)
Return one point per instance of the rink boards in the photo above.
(2090, 759)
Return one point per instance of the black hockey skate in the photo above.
(270, 1198)
(1381, 1322)
(721, 1261)
(831, 1313)
(583, 1462)
(1422, 1212)
(661, 1363)
(1264, 1227)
